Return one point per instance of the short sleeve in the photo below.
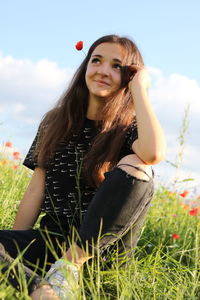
(130, 137)
(30, 161)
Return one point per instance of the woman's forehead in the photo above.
(109, 50)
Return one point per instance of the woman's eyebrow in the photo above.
(114, 59)
(117, 60)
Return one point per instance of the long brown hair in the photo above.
(69, 113)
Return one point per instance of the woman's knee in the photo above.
(128, 164)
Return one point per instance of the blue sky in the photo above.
(37, 59)
(168, 32)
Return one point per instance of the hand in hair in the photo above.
(140, 80)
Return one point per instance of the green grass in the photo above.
(162, 268)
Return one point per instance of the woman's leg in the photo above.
(31, 249)
(30, 244)
(15, 269)
(118, 205)
(115, 213)
(117, 210)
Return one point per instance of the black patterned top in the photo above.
(67, 194)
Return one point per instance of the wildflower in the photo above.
(15, 167)
(184, 194)
(171, 193)
(3, 162)
(184, 206)
(174, 215)
(194, 211)
(8, 144)
(79, 45)
(175, 236)
(16, 155)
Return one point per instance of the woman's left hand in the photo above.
(140, 80)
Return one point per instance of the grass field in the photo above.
(167, 258)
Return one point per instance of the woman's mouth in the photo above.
(101, 82)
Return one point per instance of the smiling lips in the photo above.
(101, 82)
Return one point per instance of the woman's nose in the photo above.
(104, 69)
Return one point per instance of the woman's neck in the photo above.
(93, 110)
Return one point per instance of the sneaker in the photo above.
(63, 277)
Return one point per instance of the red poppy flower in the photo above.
(184, 194)
(194, 211)
(16, 155)
(175, 236)
(8, 144)
(79, 46)
(15, 167)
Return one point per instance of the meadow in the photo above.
(166, 264)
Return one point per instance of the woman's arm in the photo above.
(150, 145)
(30, 205)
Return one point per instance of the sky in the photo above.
(38, 58)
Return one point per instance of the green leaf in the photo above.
(171, 163)
(187, 179)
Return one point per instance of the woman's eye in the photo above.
(95, 60)
(117, 66)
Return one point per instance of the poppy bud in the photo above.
(184, 194)
(8, 144)
(16, 155)
(175, 236)
(79, 46)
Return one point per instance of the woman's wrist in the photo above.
(140, 93)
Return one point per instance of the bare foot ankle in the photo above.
(45, 292)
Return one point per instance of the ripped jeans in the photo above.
(117, 210)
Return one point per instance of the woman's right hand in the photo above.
(141, 79)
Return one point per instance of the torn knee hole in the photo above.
(135, 171)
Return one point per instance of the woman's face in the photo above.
(103, 74)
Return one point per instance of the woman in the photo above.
(92, 174)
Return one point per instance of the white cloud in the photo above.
(29, 88)
(18, 108)
(173, 92)
(191, 157)
(170, 96)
